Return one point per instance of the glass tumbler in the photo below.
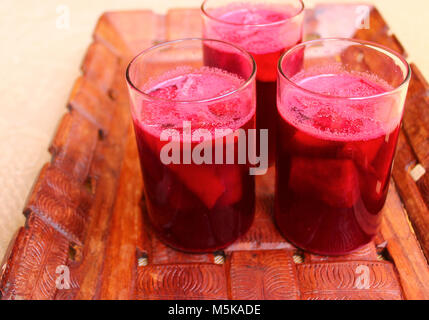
(340, 104)
(186, 108)
(264, 28)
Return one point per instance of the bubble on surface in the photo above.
(329, 115)
(258, 28)
(192, 95)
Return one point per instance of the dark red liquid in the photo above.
(332, 177)
(266, 110)
(195, 207)
(266, 93)
(266, 43)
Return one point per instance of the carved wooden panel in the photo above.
(181, 281)
(256, 275)
(33, 275)
(84, 213)
(352, 280)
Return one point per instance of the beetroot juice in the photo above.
(191, 206)
(334, 167)
(195, 206)
(340, 105)
(264, 29)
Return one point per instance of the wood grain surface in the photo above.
(84, 214)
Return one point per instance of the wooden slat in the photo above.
(106, 168)
(416, 125)
(74, 145)
(61, 203)
(181, 281)
(416, 120)
(118, 274)
(410, 193)
(404, 249)
(419, 87)
(268, 274)
(10, 263)
(163, 254)
(100, 65)
(367, 253)
(91, 103)
(39, 251)
(126, 32)
(423, 184)
(356, 280)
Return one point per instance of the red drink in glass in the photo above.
(266, 30)
(196, 207)
(338, 126)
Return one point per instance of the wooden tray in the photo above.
(84, 213)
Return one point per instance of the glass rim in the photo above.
(169, 43)
(300, 11)
(375, 46)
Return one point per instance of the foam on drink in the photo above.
(276, 34)
(178, 96)
(334, 118)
